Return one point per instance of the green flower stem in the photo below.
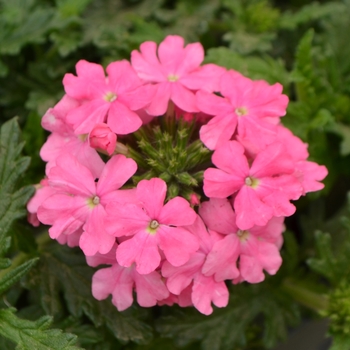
(303, 295)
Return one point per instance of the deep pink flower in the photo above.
(80, 202)
(246, 103)
(257, 248)
(261, 190)
(111, 99)
(153, 226)
(63, 140)
(175, 73)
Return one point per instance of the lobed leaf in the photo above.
(31, 335)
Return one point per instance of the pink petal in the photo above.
(95, 239)
(206, 78)
(183, 98)
(205, 290)
(149, 288)
(114, 280)
(179, 278)
(89, 82)
(218, 215)
(193, 57)
(250, 269)
(161, 97)
(223, 156)
(86, 116)
(274, 160)
(141, 249)
(218, 130)
(222, 259)
(250, 209)
(171, 52)
(146, 63)
(122, 77)
(177, 212)
(177, 244)
(212, 104)
(125, 219)
(122, 120)
(219, 184)
(151, 193)
(117, 171)
(71, 176)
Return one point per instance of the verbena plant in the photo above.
(302, 47)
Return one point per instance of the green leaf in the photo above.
(310, 12)
(267, 68)
(12, 166)
(64, 270)
(228, 328)
(31, 335)
(21, 22)
(8, 278)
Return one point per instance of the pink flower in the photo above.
(42, 192)
(153, 226)
(246, 103)
(80, 202)
(63, 140)
(175, 72)
(120, 282)
(111, 99)
(261, 190)
(101, 137)
(257, 248)
(203, 290)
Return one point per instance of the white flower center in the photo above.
(110, 96)
(173, 77)
(154, 224)
(241, 111)
(96, 200)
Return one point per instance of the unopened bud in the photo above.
(103, 138)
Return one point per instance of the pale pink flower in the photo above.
(261, 190)
(308, 173)
(121, 281)
(246, 104)
(111, 99)
(174, 72)
(42, 192)
(103, 138)
(153, 225)
(256, 249)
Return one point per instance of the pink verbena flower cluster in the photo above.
(175, 175)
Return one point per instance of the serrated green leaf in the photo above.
(310, 12)
(64, 270)
(326, 264)
(36, 335)
(264, 67)
(12, 166)
(8, 278)
(21, 22)
(227, 328)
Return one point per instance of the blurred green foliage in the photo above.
(301, 44)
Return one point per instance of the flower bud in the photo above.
(103, 138)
